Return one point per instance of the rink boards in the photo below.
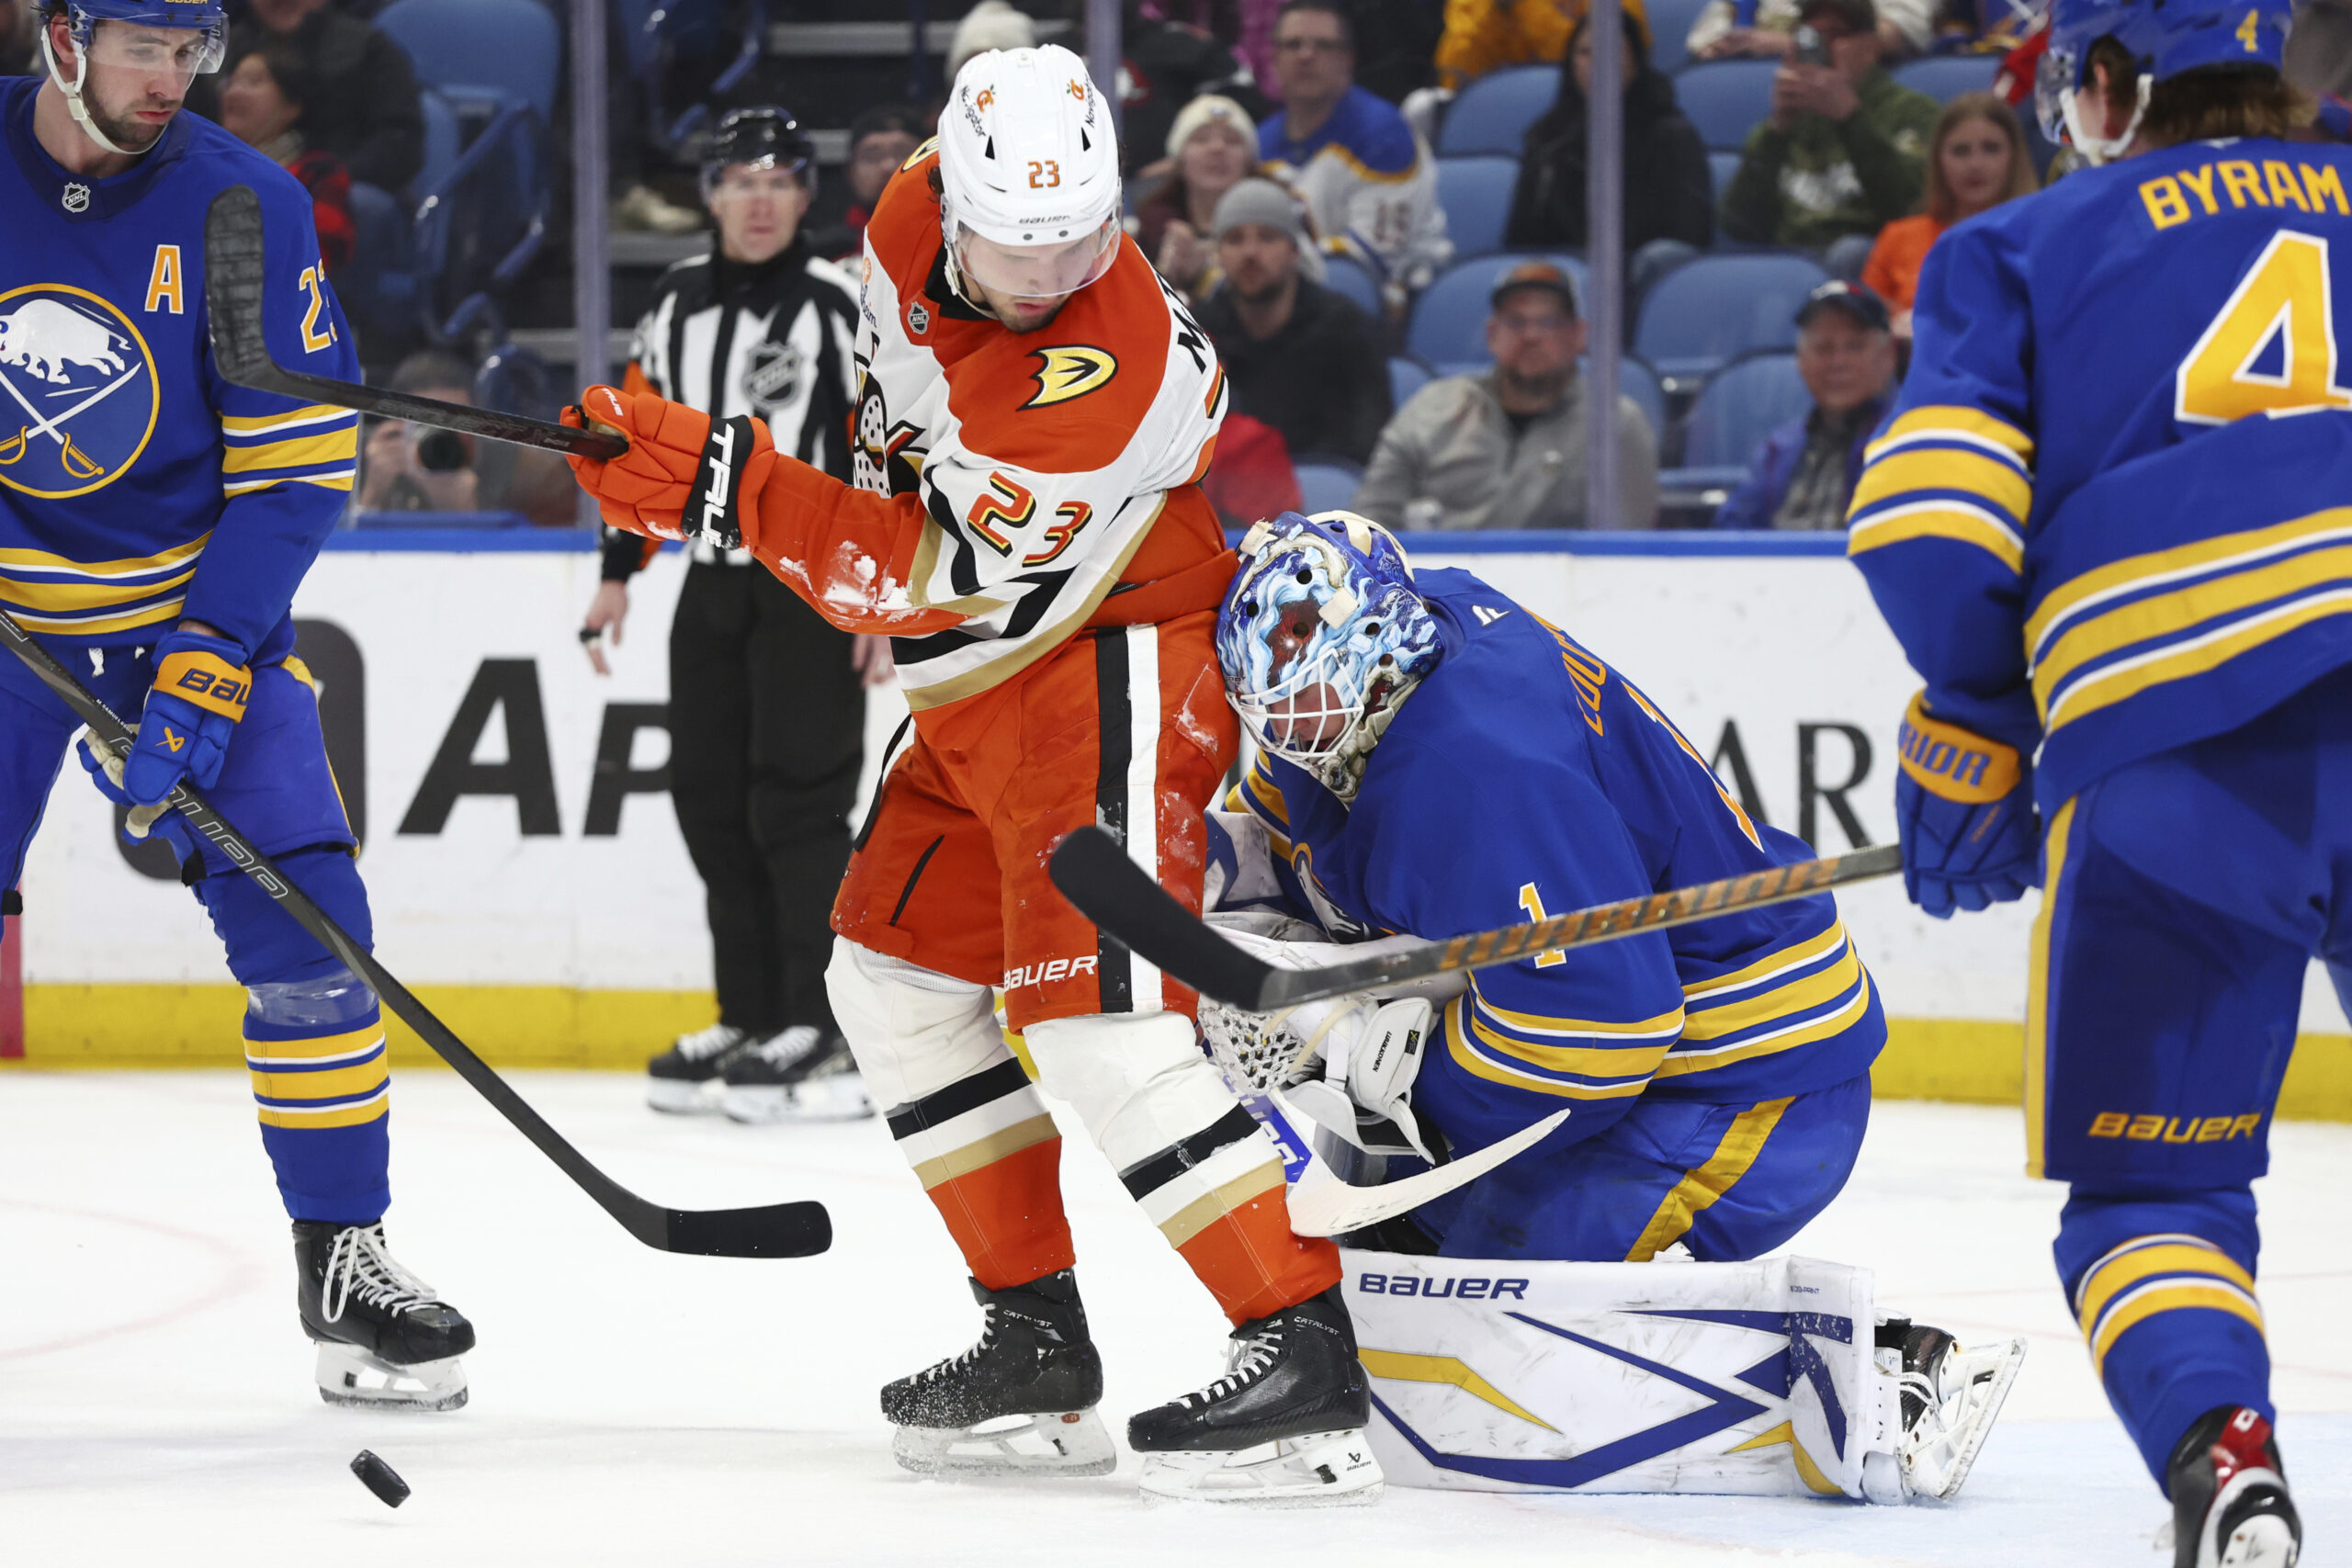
(528, 877)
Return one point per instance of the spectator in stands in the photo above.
(1507, 449)
(991, 24)
(1978, 160)
(880, 138)
(413, 467)
(1369, 183)
(1765, 30)
(1393, 42)
(19, 39)
(1487, 35)
(1165, 67)
(1983, 27)
(1296, 356)
(262, 105)
(1845, 151)
(1670, 192)
(365, 108)
(1214, 147)
(1802, 475)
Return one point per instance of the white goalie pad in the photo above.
(1750, 1378)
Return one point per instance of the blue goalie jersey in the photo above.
(2107, 513)
(1525, 778)
(136, 486)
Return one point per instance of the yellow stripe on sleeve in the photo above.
(289, 419)
(1927, 468)
(1797, 995)
(1938, 520)
(1771, 964)
(301, 452)
(134, 566)
(1952, 422)
(1682, 1063)
(1464, 1049)
(64, 596)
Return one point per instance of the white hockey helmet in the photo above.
(1029, 173)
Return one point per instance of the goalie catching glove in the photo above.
(683, 475)
(1971, 837)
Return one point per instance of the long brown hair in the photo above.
(1995, 110)
(2210, 105)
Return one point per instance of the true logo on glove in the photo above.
(722, 469)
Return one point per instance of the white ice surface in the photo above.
(632, 1409)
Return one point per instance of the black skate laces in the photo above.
(357, 1265)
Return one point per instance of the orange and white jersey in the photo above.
(1053, 467)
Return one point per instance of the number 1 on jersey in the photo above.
(2285, 296)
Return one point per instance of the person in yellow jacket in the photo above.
(1487, 35)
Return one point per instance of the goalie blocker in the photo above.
(1518, 1376)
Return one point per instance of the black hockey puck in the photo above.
(379, 1478)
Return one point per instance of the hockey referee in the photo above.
(767, 709)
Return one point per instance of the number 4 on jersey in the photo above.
(2284, 297)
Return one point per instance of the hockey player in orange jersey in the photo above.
(1035, 413)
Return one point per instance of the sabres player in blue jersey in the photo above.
(1435, 759)
(2104, 522)
(154, 523)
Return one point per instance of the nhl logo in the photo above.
(918, 318)
(76, 198)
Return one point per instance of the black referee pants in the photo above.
(767, 725)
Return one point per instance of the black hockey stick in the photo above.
(234, 252)
(778, 1230)
(1093, 872)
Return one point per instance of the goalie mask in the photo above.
(1320, 637)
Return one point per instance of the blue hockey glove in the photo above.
(105, 772)
(201, 684)
(1971, 837)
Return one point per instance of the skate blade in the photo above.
(1984, 1399)
(352, 1378)
(1315, 1471)
(676, 1097)
(1066, 1443)
(769, 1105)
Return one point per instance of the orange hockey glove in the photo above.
(683, 477)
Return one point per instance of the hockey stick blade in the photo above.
(780, 1230)
(234, 249)
(1323, 1204)
(1094, 874)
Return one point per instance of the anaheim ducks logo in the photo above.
(1070, 371)
(78, 388)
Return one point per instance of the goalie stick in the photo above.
(233, 253)
(777, 1230)
(1093, 872)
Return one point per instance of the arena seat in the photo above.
(1741, 404)
(1406, 377)
(1945, 76)
(1636, 380)
(1350, 278)
(1476, 192)
(512, 46)
(1326, 483)
(1721, 167)
(1670, 22)
(1725, 98)
(1710, 309)
(1448, 329)
(1492, 114)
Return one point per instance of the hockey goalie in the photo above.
(1433, 757)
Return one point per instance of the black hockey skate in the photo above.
(385, 1340)
(685, 1079)
(2229, 1508)
(1285, 1424)
(1020, 1401)
(1950, 1396)
(802, 1073)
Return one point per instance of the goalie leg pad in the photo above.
(963, 1113)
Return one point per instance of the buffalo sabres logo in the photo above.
(77, 389)
(1070, 371)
